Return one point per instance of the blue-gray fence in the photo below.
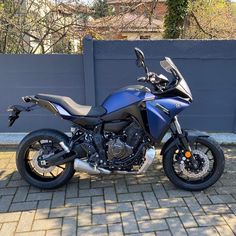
(208, 66)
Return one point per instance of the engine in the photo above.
(122, 146)
(114, 151)
(118, 149)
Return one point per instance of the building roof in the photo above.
(70, 9)
(128, 22)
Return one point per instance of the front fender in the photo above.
(191, 136)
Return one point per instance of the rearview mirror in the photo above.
(140, 57)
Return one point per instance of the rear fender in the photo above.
(191, 136)
(15, 110)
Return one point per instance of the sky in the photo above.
(86, 1)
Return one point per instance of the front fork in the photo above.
(178, 133)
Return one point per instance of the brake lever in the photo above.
(142, 79)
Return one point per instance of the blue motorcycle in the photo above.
(120, 136)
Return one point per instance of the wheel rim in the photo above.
(206, 164)
(38, 150)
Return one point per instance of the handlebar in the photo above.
(158, 81)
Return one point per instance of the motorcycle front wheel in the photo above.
(33, 148)
(210, 161)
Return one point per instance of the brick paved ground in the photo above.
(116, 205)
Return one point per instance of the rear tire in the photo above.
(218, 168)
(27, 172)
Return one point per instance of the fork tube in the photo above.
(179, 134)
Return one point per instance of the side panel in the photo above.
(160, 112)
(174, 105)
(158, 120)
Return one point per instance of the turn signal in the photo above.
(187, 154)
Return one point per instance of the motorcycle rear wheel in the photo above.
(35, 145)
(210, 149)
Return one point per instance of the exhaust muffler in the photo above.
(84, 166)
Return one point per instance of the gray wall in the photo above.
(208, 66)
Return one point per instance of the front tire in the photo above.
(212, 149)
(31, 147)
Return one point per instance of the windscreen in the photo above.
(168, 64)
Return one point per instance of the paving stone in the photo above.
(84, 183)
(224, 230)
(150, 200)
(186, 217)
(129, 222)
(140, 211)
(203, 231)
(162, 213)
(171, 202)
(163, 233)
(232, 207)
(115, 229)
(128, 197)
(69, 226)
(33, 189)
(119, 207)
(143, 201)
(43, 209)
(80, 201)
(221, 198)
(7, 191)
(139, 188)
(47, 224)
(143, 234)
(17, 183)
(98, 230)
(108, 218)
(226, 190)
(98, 205)
(5, 202)
(110, 195)
(53, 232)
(203, 199)
(4, 183)
(8, 217)
(148, 179)
(159, 191)
(58, 199)
(194, 206)
(23, 206)
(90, 192)
(21, 194)
(33, 233)
(39, 196)
(62, 212)
(231, 221)
(176, 227)
(152, 225)
(26, 221)
(102, 183)
(179, 193)
(131, 180)
(8, 228)
(72, 190)
(210, 220)
(84, 216)
(121, 186)
(217, 209)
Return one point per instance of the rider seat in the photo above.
(72, 107)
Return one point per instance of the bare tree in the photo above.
(39, 26)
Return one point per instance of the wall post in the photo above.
(89, 78)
